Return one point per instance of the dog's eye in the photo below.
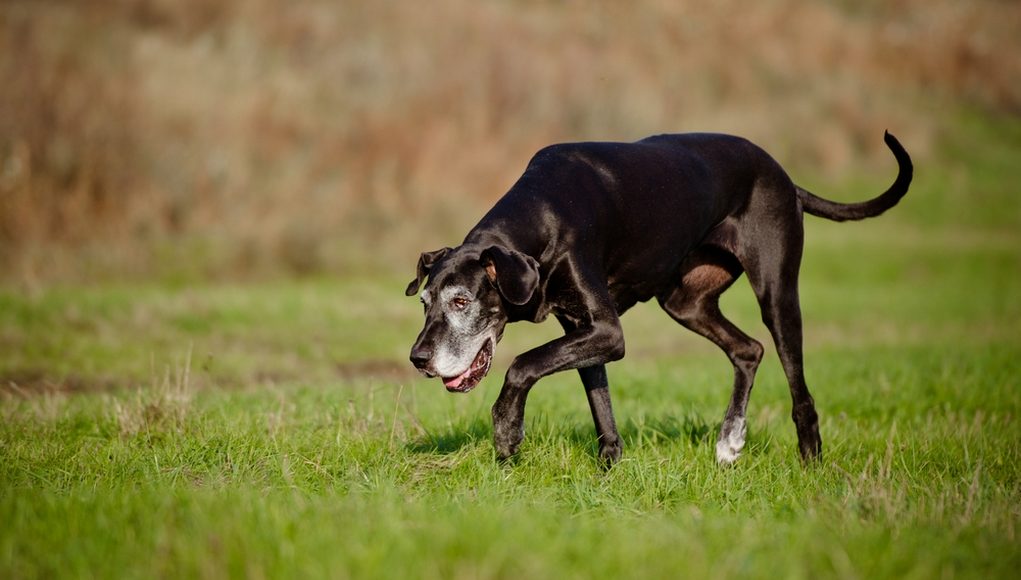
(459, 303)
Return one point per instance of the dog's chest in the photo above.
(643, 276)
(626, 295)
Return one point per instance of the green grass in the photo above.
(276, 430)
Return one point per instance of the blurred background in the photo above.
(237, 139)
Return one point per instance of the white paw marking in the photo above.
(731, 441)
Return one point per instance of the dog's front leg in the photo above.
(595, 344)
(597, 391)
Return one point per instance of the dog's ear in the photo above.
(425, 263)
(514, 274)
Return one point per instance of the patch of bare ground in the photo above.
(376, 369)
(34, 382)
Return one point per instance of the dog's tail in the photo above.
(839, 212)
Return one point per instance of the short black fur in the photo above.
(591, 229)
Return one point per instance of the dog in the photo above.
(589, 230)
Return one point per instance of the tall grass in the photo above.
(257, 456)
(177, 427)
(221, 138)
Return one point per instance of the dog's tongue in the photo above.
(454, 382)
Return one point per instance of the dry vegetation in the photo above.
(241, 136)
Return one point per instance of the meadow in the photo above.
(276, 429)
(209, 213)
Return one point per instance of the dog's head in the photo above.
(466, 298)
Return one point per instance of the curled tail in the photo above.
(839, 212)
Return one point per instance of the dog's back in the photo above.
(636, 209)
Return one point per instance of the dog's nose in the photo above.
(420, 356)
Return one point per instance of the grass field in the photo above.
(275, 430)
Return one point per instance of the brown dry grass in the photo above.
(238, 136)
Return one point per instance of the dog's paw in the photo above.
(726, 453)
(507, 439)
(609, 453)
(504, 451)
(810, 447)
(731, 441)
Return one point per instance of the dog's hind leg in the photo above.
(772, 258)
(706, 274)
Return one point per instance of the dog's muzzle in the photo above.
(475, 372)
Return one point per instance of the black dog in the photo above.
(589, 230)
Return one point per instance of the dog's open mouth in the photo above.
(467, 380)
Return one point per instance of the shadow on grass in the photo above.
(454, 438)
(655, 431)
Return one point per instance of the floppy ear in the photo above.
(514, 274)
(425, 263)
